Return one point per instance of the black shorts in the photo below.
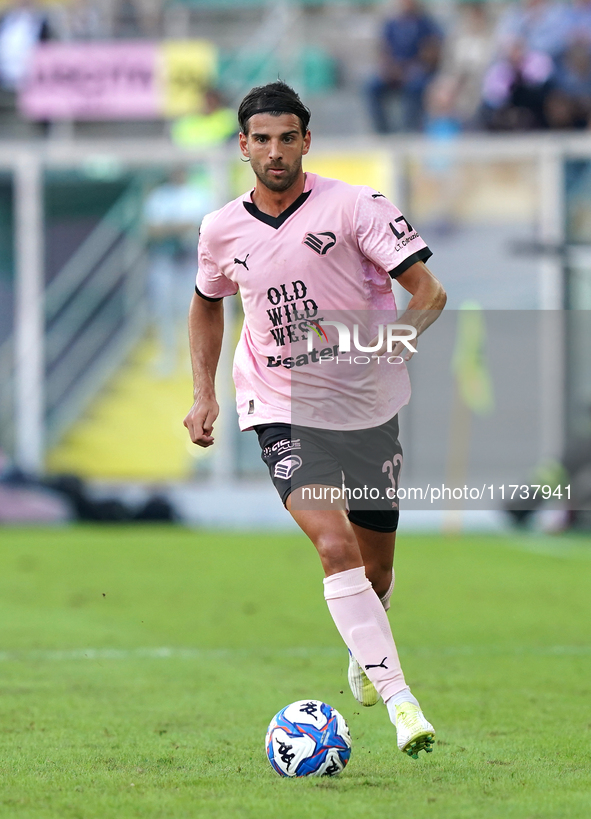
(364, 464)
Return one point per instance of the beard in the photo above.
(278, 185)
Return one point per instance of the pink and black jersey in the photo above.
(331, 252)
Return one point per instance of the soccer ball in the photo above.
(308, 738)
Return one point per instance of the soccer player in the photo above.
(297, 247)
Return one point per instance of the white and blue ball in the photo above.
(308, 738)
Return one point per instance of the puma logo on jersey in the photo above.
(285, 468)
(377, 195)
(320, 243)
(243, 263)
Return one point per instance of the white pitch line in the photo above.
(550, 545)
(169, 652)
(159, 653)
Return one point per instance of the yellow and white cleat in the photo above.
(361, 686)
(413, 731)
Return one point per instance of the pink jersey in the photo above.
(329, 255)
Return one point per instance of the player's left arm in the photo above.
(428, 299)
(393, 246)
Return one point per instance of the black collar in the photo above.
(276, 221)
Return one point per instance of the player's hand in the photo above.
(399, 349)
(200, 420)
(402, 350)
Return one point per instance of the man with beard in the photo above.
(295, 246)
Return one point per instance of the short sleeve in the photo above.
(384, 236)
(211, 284)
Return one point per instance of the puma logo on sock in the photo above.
(379, 665)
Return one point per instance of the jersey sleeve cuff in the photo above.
(207, 298)
(420, 256)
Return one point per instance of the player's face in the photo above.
(275, 146)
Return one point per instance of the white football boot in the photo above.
(413, 731)
(361, 686)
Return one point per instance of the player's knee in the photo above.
(336, 552)
(332, 544)
(380, 577)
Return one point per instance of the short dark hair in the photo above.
(276, 98)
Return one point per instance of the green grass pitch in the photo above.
(139, 668)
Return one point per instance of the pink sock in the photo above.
(362, 623)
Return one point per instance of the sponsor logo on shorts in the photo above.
(285, 468)
(284, 445)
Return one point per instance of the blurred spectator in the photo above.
(468, 51)
(83, 20)
(442, 122)
(515, 90)
(443, 126)
(541, 26)
(21, 28)
(581, 21)
(569, 102)
(172, 213)
(410, 52)
(127, 20)
(213, 125)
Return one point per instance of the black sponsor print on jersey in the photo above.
(377, 195)
(290, 312)
(320, 243)
(302, 360)
(399, 234)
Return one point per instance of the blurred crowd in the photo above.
(24, 23)
(517, 67)
(84, 19)
(527, 67)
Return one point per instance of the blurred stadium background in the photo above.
(140, 664)
(116, 137)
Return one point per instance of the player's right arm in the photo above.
(206, 330)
